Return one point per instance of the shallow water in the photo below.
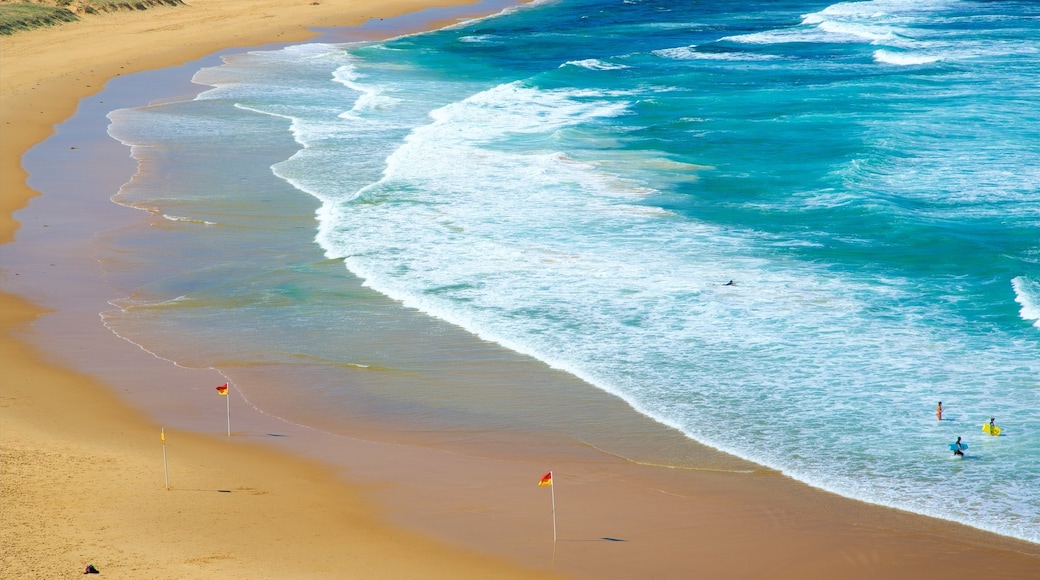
(577, 181)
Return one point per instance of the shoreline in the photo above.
(176, 35)
(792, 532)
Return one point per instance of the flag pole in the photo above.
(547, 479)
(228, 401)
(166, 470)
(553, 489)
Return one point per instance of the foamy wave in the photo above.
(873, 9)
(826, 31)
(504, 12)
(850, 31)
(515, 108)
(234, 77)
(1027, 293)
(776, 37)
(373, 97)
(594, 64)
(691, 53)
(177, 218)
(876, 22)
(135, 301)
(902, 58)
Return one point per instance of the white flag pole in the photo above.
(553, 488)
(166, 470)
(228, 401)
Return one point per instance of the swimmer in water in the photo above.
(938, 411)
(958, 450)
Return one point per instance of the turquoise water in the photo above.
(578, 181)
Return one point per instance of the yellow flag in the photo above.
(162, 436)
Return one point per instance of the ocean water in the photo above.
(578, 181)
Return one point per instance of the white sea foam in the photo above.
(857, 31)
(903, 59)
(826, 31)
(1027, 294)
(875, 10)
(372, 97)
(174, 218)
(879, 22)
(691, 53)
(504, 12)
(777, 36)
(594, 64)
(237, 77)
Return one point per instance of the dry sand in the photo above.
(82, 479)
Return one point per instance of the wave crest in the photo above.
(1027, 294)
(903, 58)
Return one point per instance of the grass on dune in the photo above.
(19, 16)
(16, 17)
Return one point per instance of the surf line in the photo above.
(763, 470)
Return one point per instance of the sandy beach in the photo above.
(82, 479)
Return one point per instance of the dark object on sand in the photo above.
(90, 569)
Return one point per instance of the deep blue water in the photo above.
(578, 181)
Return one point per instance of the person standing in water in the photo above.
(959, 450)
(992, 427)
(938, 411)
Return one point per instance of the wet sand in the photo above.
(83, 467)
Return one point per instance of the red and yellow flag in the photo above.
(546, 479)
(222, 389)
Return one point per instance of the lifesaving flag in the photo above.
(546, 479)
(222, 389)
(162, 436)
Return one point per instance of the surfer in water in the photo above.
(730, 283)
(958, 450)
(992, 427)
(938, 411)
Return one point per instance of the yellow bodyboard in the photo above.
(994, 431)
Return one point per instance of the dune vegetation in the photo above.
(18, 16)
